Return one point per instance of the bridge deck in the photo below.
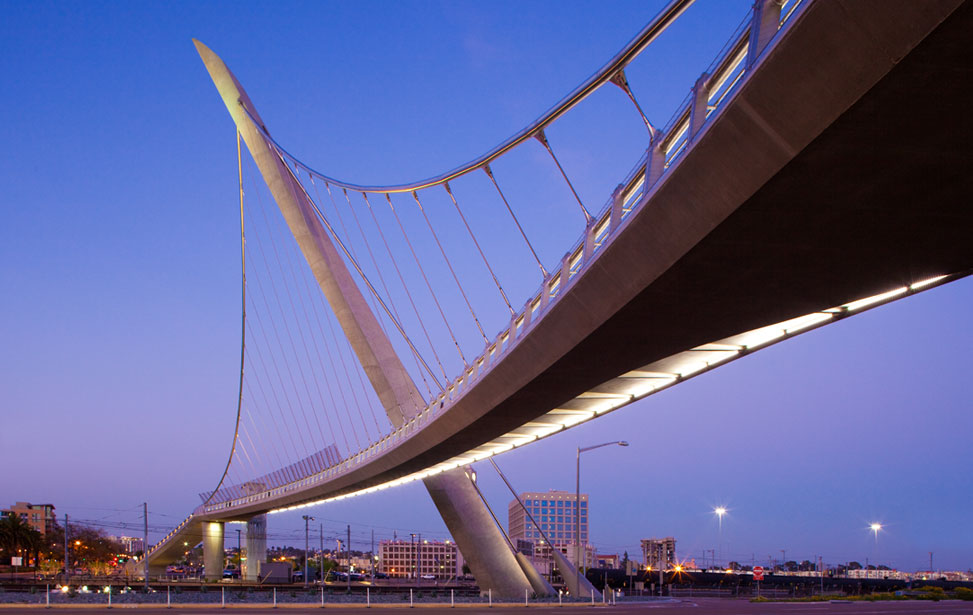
(838, 170)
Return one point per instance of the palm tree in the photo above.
(16, 536)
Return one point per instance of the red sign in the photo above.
(758, 573)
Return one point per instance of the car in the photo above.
(428, 577)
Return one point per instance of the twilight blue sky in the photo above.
(119, 270)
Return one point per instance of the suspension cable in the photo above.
(621, 81)
(288, 333)
(408, 294)
(361, 272)
(243, 320)
(432, 293)
(381, 278)
(489, 173)
(450, 266)
(479, 249)
(540, 136)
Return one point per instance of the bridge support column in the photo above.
(213, 549)
(256, 548)
(477, 536)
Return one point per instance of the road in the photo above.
(701, 606)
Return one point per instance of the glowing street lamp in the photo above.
(719, 511)
(875, 528)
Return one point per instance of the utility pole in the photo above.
(306, 549)
(321, 551)
(145, 542)
(348, 558)
(930, 555)
(821, 563)
(372, 554)
(66, 573)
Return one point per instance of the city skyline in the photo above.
(123, 313)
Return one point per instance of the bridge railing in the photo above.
(711, 93)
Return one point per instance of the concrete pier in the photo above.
(213, 550)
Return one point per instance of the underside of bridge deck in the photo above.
(879, 200)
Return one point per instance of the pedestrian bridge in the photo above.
(819, 168)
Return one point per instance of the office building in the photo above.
(554, 511)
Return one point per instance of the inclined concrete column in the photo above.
(541, 586)
(484, 548)
(466, 516)
(577, 584)
(256, 549)
(213, 549)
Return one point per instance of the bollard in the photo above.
(411, 605)
(525, 598)
(275, 597)
(490, 594)
(222, 597)
(48, 596)
(109, 596)
(368, 597)
(168, 603)
(452, 599)
(322, 596)
(592, 596)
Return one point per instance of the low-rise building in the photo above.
(130, 544)
(41, 517)
(605, 560)
(411, 559)
(659, 553)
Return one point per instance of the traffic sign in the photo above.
(758, 573)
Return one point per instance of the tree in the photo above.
(18, 538)
(854, 566)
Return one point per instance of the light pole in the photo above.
(875, 528)
(720, 511)
(306, 549)
(239, 556)
(577, 502)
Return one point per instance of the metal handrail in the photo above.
(595, 81)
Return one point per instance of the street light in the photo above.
(720, 511)
(875, 528)
(306, 520)
(577, 502)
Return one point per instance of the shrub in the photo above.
(964, 593)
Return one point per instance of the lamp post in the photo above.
(577, 502)
(720, 511)
(875, 528)
(412, 554)
(306, 549)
